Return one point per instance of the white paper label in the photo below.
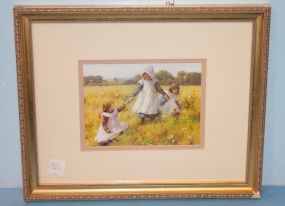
(56, 167)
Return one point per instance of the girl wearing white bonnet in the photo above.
(147, 89)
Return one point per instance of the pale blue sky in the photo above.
(123, 71)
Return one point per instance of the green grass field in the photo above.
(172, 130)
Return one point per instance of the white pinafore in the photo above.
(170, 107)
(147, 101)
(114, 125)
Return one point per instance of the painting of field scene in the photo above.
(142, 104)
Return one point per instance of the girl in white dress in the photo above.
(172, 105)
(111, 126)
(147, 89)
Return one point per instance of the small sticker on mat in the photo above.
(56, 167)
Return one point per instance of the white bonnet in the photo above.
(149, 70)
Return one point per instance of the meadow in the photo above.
(183, 129)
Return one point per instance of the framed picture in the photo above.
(144, 102)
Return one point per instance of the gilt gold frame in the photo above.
(24, 17)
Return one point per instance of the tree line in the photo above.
(164, 77)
